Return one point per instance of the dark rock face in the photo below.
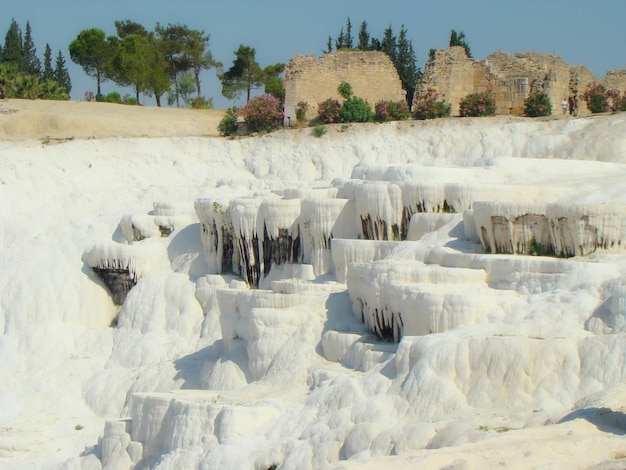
(118, 281)
(249, 267)
(281, 250)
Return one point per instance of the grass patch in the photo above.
(319, 131)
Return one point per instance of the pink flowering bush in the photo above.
(601, 100)
(477, 104)
(537, 104)
(390, 111)
(301, 109)
(263, 113)
(328, 111)
(429, 106)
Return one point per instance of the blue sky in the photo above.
(585, 32)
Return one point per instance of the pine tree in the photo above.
(48, 71)
(61, 75)
(32, 64)
(405, 64)
(12, 52)
(364, 37)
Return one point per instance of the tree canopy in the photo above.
(152, 62)
(458, 39)
(21, 74)
(399, 49)
(93, 52)
(246, 75)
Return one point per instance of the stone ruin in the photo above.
(314, 79)
(511, 78)
(449, 73)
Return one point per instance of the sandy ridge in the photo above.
(66, 120)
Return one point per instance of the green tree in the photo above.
(32, 64)
(12, 51)
(93, 52)
(134, 62)
(185, 86)
(364, 37)
(60, 74)
(406, 64)
(340, 42)
(244, 75)
(329, 46)
(48, 71)
(128, 27)
(389, 44)
(200, 58)
(458, 39)
(274, 82)
(140, 61)
(349, 40)
(172, 42)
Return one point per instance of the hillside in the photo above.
(66, 120)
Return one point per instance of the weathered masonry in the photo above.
(511, 78)
(314, 79)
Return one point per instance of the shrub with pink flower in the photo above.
(428, 106)
(537, 104)
(601, 100)
(477, 104)
(328, 111)
(301, 109)
(263, 113)
(390, 111)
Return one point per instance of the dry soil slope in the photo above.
(64, 120)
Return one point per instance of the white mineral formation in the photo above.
(452, 296)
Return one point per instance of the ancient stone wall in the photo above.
(616, 80)
(314, 79)
(516, 76)
(453, 76)
(511, 78)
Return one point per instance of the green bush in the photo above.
(428, 106)
(328, 111)
(477, 104)
(228, 124)
(200, 102)
(356, 110)
(113, 97)
(345, 90)
(620, 103)
(391, 111)
(319, 131)
(537, 104)
(129, 100)
(601, 100)
(301, 108)
(263, 113)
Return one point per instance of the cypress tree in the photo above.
(61, 75)
(32, 64)
(340, 42)
(405, 64)
(364, 37)
(329, 46)
(389, 44)
(48, 71)
(458, 39)
(12, 52)
(348, 38)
